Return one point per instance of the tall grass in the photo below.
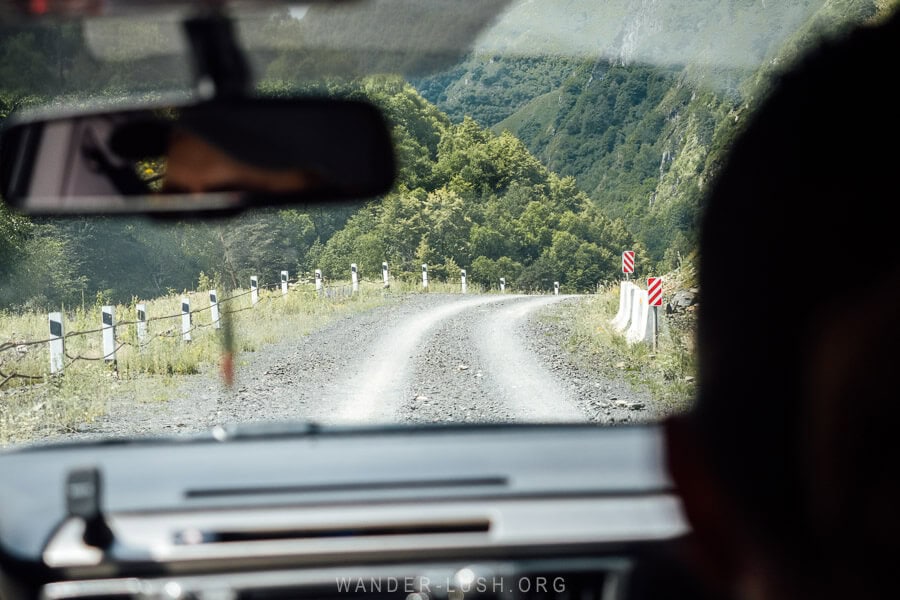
(406, 286)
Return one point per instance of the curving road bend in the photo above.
(530, 389)
(422, 358)
(378, 385)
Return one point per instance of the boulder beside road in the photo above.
(682, 300)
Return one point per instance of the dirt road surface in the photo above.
(421, 358)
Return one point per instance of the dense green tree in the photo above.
(488, 272)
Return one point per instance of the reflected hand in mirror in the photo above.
(193, 166)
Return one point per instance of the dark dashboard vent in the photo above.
(375, 530)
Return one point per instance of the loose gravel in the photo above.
(605, 399)
(420, 358)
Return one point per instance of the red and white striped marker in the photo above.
(628, 261)
(654, 291)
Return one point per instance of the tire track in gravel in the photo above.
(333, 375)
(505, 363)
(604, 397)
(475, 368)
(529, 386)
(380, 384)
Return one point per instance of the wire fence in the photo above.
(14, 352)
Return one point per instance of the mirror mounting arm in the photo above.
(220, 67)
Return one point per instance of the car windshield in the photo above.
(535, 261)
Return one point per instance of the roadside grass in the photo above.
(30, 408)
(669, 374)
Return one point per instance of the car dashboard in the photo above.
(487, 512)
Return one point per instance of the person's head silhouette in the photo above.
(788, 465)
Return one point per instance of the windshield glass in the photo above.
(535, 261)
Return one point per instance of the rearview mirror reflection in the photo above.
(216, 155)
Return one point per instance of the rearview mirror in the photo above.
(218, 155)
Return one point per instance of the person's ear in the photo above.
(715, 547)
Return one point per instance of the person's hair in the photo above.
(799, 326)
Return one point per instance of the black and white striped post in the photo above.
(185, 318)
(424, 277)
(108, 330)
(384, 274)
(284, 283)
(319, 282)
(354, 278)
(141, 324)
(254, 290)
(214, 309)
(462, 279)
(556, 288)
(502, 284)
(57, 343)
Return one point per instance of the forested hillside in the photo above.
(535, 166)
(644, 127)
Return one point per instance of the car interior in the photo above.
(321, 511)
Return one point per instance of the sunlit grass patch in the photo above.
(404, 286)
(57, 404)
(669, 373)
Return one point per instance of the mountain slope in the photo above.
(644, 123)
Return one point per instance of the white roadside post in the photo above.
(556, 288)
(185, 318)
(319, 282)
(107, 319)
(214, 309)
(284, 283)
(425, 277)
(384, 274)
(57, 343)
(141, 324)
(462, 278)
(502, 284)
(354, 278)
(254, 290)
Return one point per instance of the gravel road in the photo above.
(422, 358)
